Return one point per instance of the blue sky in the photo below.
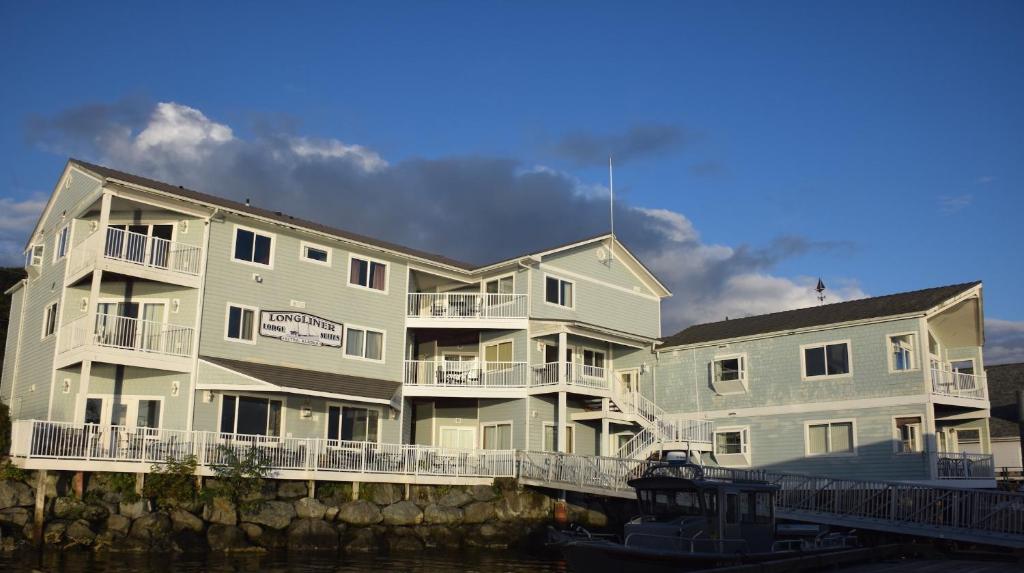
(878, 145)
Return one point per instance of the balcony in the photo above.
(464, 379)
(467, 310)
(958, 384)
(963, 466)
(125, 340)
(580, 376)
(135, 254)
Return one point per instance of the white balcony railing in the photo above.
(957, 384)
(962, 465)
(145, 446)
(580, 375)
(465, 374)
(137, 249)
(126, 333)
(467, 306)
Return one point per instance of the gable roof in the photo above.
(1003, 382)
(311, 380)
(189, 194)
(835, 313)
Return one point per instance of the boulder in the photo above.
(454, 497)
(359, 512)
(273, 514)
(95, 512)
(188, 541)
(423, 495)
(15, 494)
(526, 505)
(361, 540)
(330, 513)
(309, 508)
(15, 516)
(382, 494)
(291, 490)
(402, 513)
(57, 485)
(222, 537)
(478, 512)
(80, 533)
(221, 511)
(251, 530)
(152, 527)
(133, 510)
(440, 515)
(307, 534)
(119, 524)
(53, 533)
(444, 537)
(68, 508)
(404, 540)
(182, 520)
(483, 492)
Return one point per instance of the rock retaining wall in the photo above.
(385, 517)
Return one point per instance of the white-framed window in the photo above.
(240, 323)
(729, 374)
(551, 439)
(253, 247)
(907, 434)
(826, 360)
(251, 415)
(63, 243)
(353, 424)
(456, 437)
(500, 285)
(732, 445)
(364, 343)
(559, 291)
(316, 254)
(50, 319)
(498, 355)
(902, 352)
(593, 358)
(496, 435)
(364, 272)
(34, 255)
(830, 438)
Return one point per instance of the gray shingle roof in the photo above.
(866, 308)
(316, 381)
(1003, 382)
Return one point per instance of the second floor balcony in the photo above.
(126, 340)
(467, 310)
(958, 384)
(450, 378)
(121, 250)
(581, 376)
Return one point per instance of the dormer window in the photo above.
(34, 256)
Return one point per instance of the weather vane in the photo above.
(821, 291)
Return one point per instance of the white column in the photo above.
(83, 393)
(605, 438)
(560, 418)
(94, 295)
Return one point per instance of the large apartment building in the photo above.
(173, 317)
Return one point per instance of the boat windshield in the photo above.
(677, 503)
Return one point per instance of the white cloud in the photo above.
(181, 131)
(17, 220)
(1004, 341)
(674, 226)
(333, 149)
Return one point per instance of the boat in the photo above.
(689, 521)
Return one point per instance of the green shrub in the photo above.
(172, 483)
(240, 479)
(124, 485)
(333, 490)
(9, 471)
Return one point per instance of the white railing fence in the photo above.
(127, 333)
(84, 254)
(544, 374)
(963, 465)
(457, 306)
(957, 384)
(465, 374)
(131, 247)
(75, 334)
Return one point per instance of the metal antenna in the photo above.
(821, 291)
(611, 195)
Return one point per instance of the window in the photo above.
(457, 437)
(593, 358)
(908, 434)
(732, 446)
(352, 424)
(368, 274)
(551, 440)
(503, 285)
(50, 319)
(498, 356)
(241, 324)
(831, 438)
(902, 353)
(364, 343)
(253, 247)
(497, 436)
(62, 244)
(315, 253)
(34, 256)
(250, 415)
(827, 360)
(729, 374)
(558, 291)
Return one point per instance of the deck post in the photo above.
(355, 491)
(311, 488)
(39, 515)
(78, 484)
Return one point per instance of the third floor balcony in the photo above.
(120, 249)
(467, 310)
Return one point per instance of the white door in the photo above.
(457, 437)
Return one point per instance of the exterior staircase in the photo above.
(656, 427)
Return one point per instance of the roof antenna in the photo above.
(611, 209)
(821, 291)
(247, 202)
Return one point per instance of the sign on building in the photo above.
(300, 328)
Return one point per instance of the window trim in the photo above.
(107, 405)
(512, 432)
(383, 344)
(915, 352)
(457, 427)
(897, 439)
(572, 446)
(234, 240)
(803, 360)
(303, 245)
(55, 305)
(746, 446)
(483, 282)
(482, 352)
(67, 243)
(342, 406)
(387, 273)
(561, 279)
(744, 379)
(30, 256)
(255, 322)
(263, 396)
(853, 438)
